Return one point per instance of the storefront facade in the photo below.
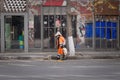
(30, 25)
(14, 22)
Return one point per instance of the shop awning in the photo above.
(54, 3)
(14, 5)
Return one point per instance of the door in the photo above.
(13, 28)
(14, 32)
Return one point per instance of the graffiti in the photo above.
(80, 29)
(93, 5)
(34, 6)
(97, 5)
(106, 2)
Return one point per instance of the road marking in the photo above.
(117, 73)
(22, 65)
(9, 76)
(56, 67)
(58, 76)
(90, 66)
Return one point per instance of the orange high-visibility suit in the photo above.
(60, 44)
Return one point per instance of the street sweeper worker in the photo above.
(60, 42)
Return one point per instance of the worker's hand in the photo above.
(61, 45)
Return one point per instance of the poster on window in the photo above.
(31, 24)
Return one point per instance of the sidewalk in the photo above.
(52, 55)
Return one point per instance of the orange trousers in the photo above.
(60, 50)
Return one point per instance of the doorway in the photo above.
(14, 32)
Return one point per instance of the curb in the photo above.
(14, 58)
(25, 58)
(50, 57)
(89, 57)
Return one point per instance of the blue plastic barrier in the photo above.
(88, 31)
(103, 23)
(97, 32)
(97, 23)
(109, 24)
(103, 29)
(114, 24)
(108, 33)
(102, 33)
(114, 33)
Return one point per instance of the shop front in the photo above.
(14, 26)
(33, 28)
(13, 32)
(96, 29)
(42, 25)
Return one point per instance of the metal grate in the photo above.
(15, 5)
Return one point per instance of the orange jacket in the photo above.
(60, 41)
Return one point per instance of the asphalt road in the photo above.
(85, 69)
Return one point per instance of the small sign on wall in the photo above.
(31, 24)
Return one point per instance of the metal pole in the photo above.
(94, 31)
(42, 27)
(93, 14)
(2, 33)
(118, 33)
(26, 32)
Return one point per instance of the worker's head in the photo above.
(58, 34)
